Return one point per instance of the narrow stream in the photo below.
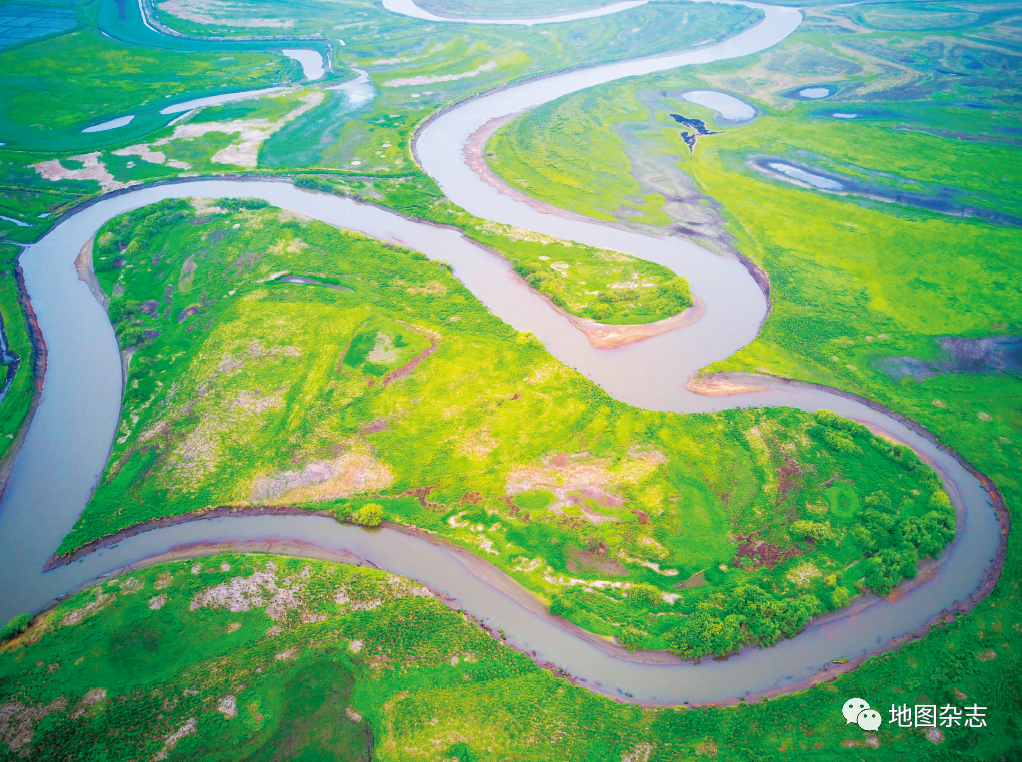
(79, 409)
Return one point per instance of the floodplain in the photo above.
(864, 169)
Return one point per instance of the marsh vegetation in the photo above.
(248, 389)
(278, 361)
(905, 306)
(252, 657)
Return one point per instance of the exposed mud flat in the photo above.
(722, 384)
(995, 354)
(603, 336)
(475, 156)
(92, 169)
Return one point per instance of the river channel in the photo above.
(69, 440)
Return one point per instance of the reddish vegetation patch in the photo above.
(512, 509)
(594, 561)
(374, 427)
(753, 552)
(403, 371)
(471, 498)
(560, 460)
(788, 479)
(599, 497)
(421, 493)
(642, 516)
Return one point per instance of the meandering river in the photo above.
(69, 440)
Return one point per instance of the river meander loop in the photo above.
(68, 442)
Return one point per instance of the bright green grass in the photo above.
(567, 152)
(853, 283)
(55, 88)
(22, 199)
(423, 679)
(247, 390)
(18, 399)
(597, 284)
(271, 109)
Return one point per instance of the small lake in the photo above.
(816, 181)
(814, 93)
(727, 106)
(113, 124)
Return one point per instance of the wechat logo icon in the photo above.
(857, 710)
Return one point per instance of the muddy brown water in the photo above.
(69, 440)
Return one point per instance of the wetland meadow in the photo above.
(593, 372)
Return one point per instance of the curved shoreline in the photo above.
(489, 573)
(557, 347)
(506, 584)
(38, 343)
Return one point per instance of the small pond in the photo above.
(727, 106)
(938, 198)
(113, 124)
(816, 181)
(19, 223)
(814, 93)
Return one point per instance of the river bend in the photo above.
(80, 405)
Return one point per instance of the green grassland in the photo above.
(859, 288)
(18, 398)
(245, 389)
(56, 87)
(586, 151)
(252, 657)
(597, 284)
(336, 139)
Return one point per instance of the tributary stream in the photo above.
(69, 439)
